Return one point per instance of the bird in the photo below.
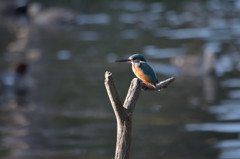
(142, 69)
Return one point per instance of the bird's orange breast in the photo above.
(141, 75)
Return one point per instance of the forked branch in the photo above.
(124, 112)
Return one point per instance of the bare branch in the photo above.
(124, 112)
(113, 96)
(160, 85)
(132, 95)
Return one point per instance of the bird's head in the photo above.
(134, 58)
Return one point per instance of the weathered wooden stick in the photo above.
(114, 97)
(132, 95)
(125, 127)
(124, 112)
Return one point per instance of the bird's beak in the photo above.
(123, 60)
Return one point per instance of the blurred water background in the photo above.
(53, 56)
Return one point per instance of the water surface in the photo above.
(67, 113)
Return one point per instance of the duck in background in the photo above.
(55, 16)
(15, 85)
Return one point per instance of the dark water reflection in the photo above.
(66, 112)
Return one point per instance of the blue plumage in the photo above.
(142, 69)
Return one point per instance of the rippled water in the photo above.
(63, 110)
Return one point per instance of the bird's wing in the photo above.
(147, 69)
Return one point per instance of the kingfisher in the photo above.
(142, 69)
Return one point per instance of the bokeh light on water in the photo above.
(54, 54)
